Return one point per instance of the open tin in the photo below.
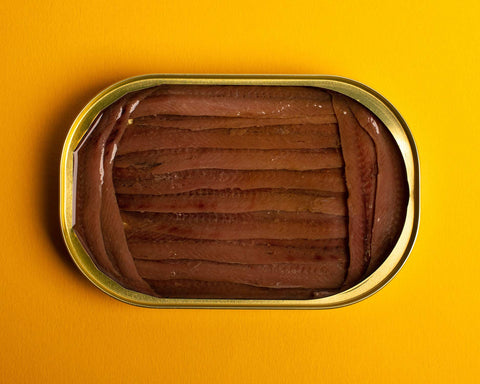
(357, 91)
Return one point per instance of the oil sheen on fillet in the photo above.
(246, 192)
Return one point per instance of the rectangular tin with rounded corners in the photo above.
(363, 94)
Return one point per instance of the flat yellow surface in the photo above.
(423, 327)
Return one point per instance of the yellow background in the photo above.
(422, 327)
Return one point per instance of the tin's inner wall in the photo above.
(255, 192)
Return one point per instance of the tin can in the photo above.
(372, 100)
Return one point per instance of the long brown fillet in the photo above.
(360, 173)
(244, 91)
(143, 181)
(174, 160)
(200, 123)
(326, 275)
(392, 189)
(210, 290)
(112, 227)
(89, 162)
(151, 246)
(144, 138)
(192, 105)
(236, 201)
(228, 226)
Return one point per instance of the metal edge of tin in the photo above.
(371, 99)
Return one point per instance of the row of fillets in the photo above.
(253, 192)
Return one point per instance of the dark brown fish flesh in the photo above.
(244, 192)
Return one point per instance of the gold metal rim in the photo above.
(360, 92)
